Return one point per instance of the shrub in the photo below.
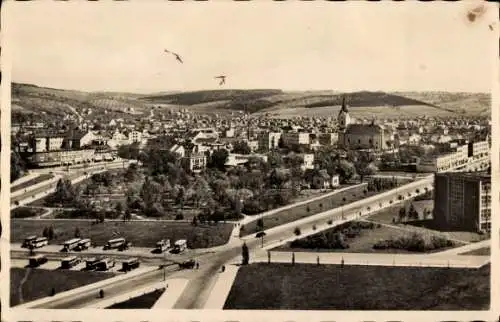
(330, 222)
(314, 227)
(297, 231)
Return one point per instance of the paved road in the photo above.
(202, 281)
(48, 187)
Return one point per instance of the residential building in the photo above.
(269, 141)
(323, 180)
(462, 201)
(295, 138)
(194, 162)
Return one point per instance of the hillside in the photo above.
(276, 103)
(29, 99)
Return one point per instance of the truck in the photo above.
(71, 244)
(162, 245)
(28, 241)
(83, 244)
(180, 246)
(104, 264)
(37, 260)
(115, 243)
(69, 262)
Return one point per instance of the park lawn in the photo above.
(140, 233)
(386, 215)
(484, 251)
(331, 287)
(364, 242)
(41, 178)
(26, 212)
(317, 206)
(145, 301)
(40, 282)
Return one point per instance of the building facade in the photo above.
(462, 201)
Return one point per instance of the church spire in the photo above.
(344, 106)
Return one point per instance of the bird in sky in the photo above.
(175, 55)
(222, 79)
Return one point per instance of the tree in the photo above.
(127, 216)
(241, 147)
(245, 254)
(50, 233)
(402, 214)
(218, 159)
(65, 193)
(17, 166)
(119, 208)
(346, 170)
(260, 224)
(45, 232)
(261, 235)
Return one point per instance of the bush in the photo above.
(297, 231)
(414, 243)
(314, 227)
(179, 217)
(330, 222)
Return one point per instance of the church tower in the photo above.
(343, 120)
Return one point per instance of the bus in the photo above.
(40, 242)
(180, 246)
(162, 245)
(70, 262)
(130, 264)
(28, 241)
(104, 264)
(71, 244)
(83, 244)
(115, 243)
(91, 262)
(37, 260)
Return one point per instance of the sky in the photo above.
(119, 46)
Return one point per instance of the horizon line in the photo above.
(285, 90)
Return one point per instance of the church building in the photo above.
(357, 136)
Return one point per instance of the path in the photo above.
(248, 219)
(222, 287)
(375, 259)
(418, 230)
(175, 287)
(107, 302)
(466, 248)
(21, 284)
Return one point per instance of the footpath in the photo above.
(222, 287)
(375, 259)
(87, 288)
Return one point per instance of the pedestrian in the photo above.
(223, 268)
(197, 265)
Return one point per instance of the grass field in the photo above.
(364, 242)
(38, 283)
(385, 217)
(145, 301)
(301, 211)
(140, 233)
(40, 178)
(485, 251)
(330, 287)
